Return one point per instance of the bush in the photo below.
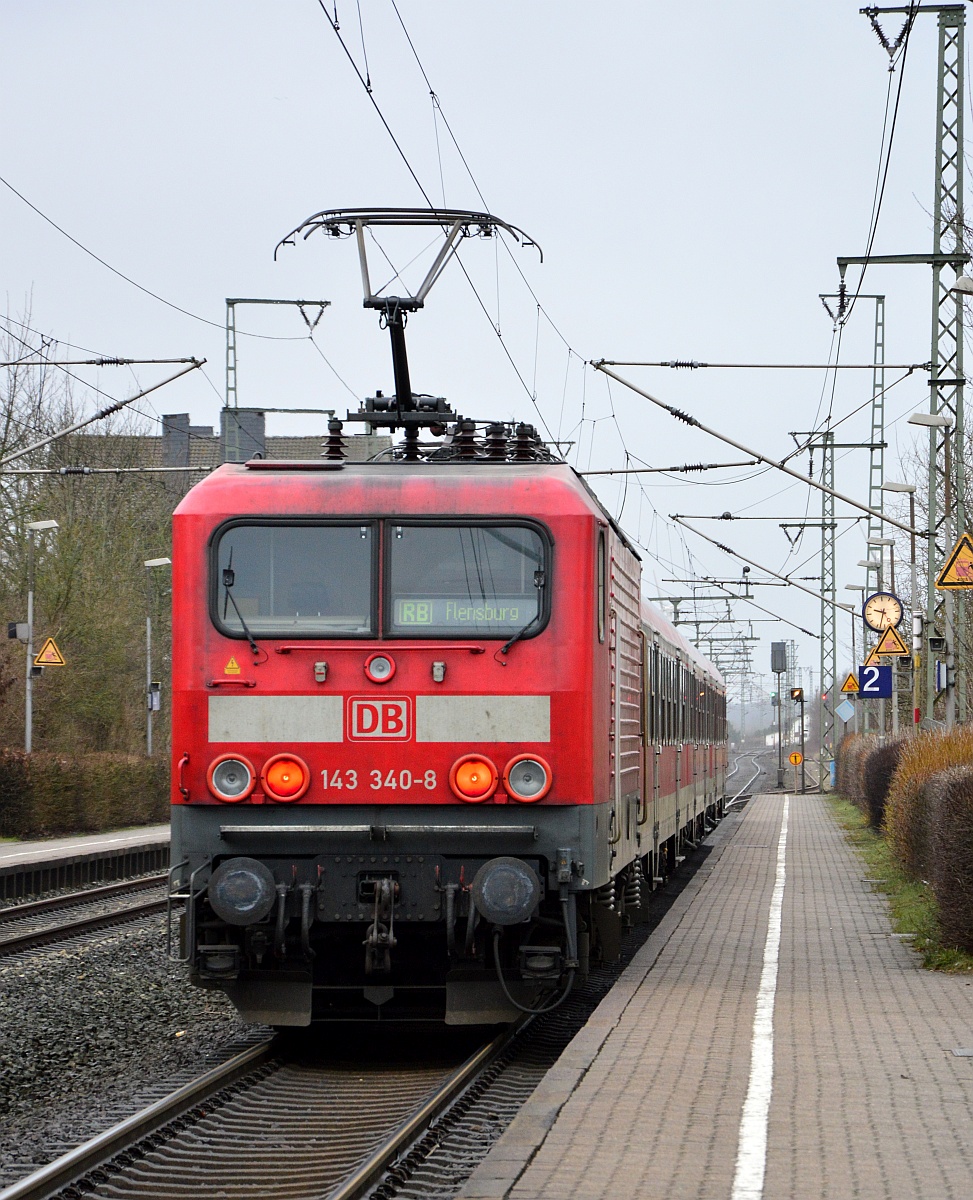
(854, 749)
(878, 768)
(42, 795)
(951, 843)
(911, 796)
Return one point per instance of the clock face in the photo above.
(882, 610)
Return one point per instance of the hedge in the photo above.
(913, 794)
(878, 770)
(850, 774)
(951, 846)
(44, 794)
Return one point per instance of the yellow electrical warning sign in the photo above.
(891, 643)
(958, 571)
(232, 667)
(851, 683)
(49, 655)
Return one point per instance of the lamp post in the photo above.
(32, 528)
(855, 616)
(944, 422)
(909, 489)
(150, 694)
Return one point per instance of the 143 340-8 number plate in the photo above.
(394, 780)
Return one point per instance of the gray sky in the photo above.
(690, 171)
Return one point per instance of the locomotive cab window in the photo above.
(465, 580)
(295, 579)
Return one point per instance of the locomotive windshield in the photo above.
(288, 579)
(464, 580)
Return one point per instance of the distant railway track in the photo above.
(35, 924)
(262, 1124)
(759, 770)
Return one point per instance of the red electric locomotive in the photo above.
(429, 747)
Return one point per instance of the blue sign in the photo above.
(845, 710)
(875, 683)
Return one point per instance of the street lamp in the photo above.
(32, 528)
(150, 692)
(909, 489)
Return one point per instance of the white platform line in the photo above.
(748, 1183)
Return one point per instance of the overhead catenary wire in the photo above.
(102, 413)
(760, 567)
(778, 465)
(128, 279)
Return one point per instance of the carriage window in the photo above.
(295, 580)
(465, 580)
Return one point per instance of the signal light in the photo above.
(797, 694)
(473, 778)
(527, 778)
(231, 778)
(285, 777)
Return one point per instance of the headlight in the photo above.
(231, 778)
(379, 668)
(241, 891)
(527, 778)
(473, 778)
(506, 891)
(285, 777)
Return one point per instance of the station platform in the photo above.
(773, 1038)
(27, 868)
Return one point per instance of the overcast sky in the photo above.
(690, 171)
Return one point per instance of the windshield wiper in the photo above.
(538, 583)
(229, 578)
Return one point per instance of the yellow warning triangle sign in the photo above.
(851, 683)
(873, 659)
(891, 643)
(958, 571)
(232, 667)
(49, 655)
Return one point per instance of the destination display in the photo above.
(499, 613)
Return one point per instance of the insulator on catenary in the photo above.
(690, 364)
(334, 447)
(74, 470)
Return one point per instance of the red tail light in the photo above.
(285, 777)
(473, 778)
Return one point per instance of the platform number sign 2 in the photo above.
(875, 683)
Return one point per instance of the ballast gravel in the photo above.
(91, 1031)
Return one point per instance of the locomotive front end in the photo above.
(389, 787)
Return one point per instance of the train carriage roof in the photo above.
(655, 621)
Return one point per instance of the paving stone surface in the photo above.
(868, 1099)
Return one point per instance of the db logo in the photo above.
(389, 717)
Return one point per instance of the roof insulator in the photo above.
(334, 447)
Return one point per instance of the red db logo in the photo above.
(388, 718)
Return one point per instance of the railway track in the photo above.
(41, 922)
(266, 1124)
(368, 1113)
(742, 794)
